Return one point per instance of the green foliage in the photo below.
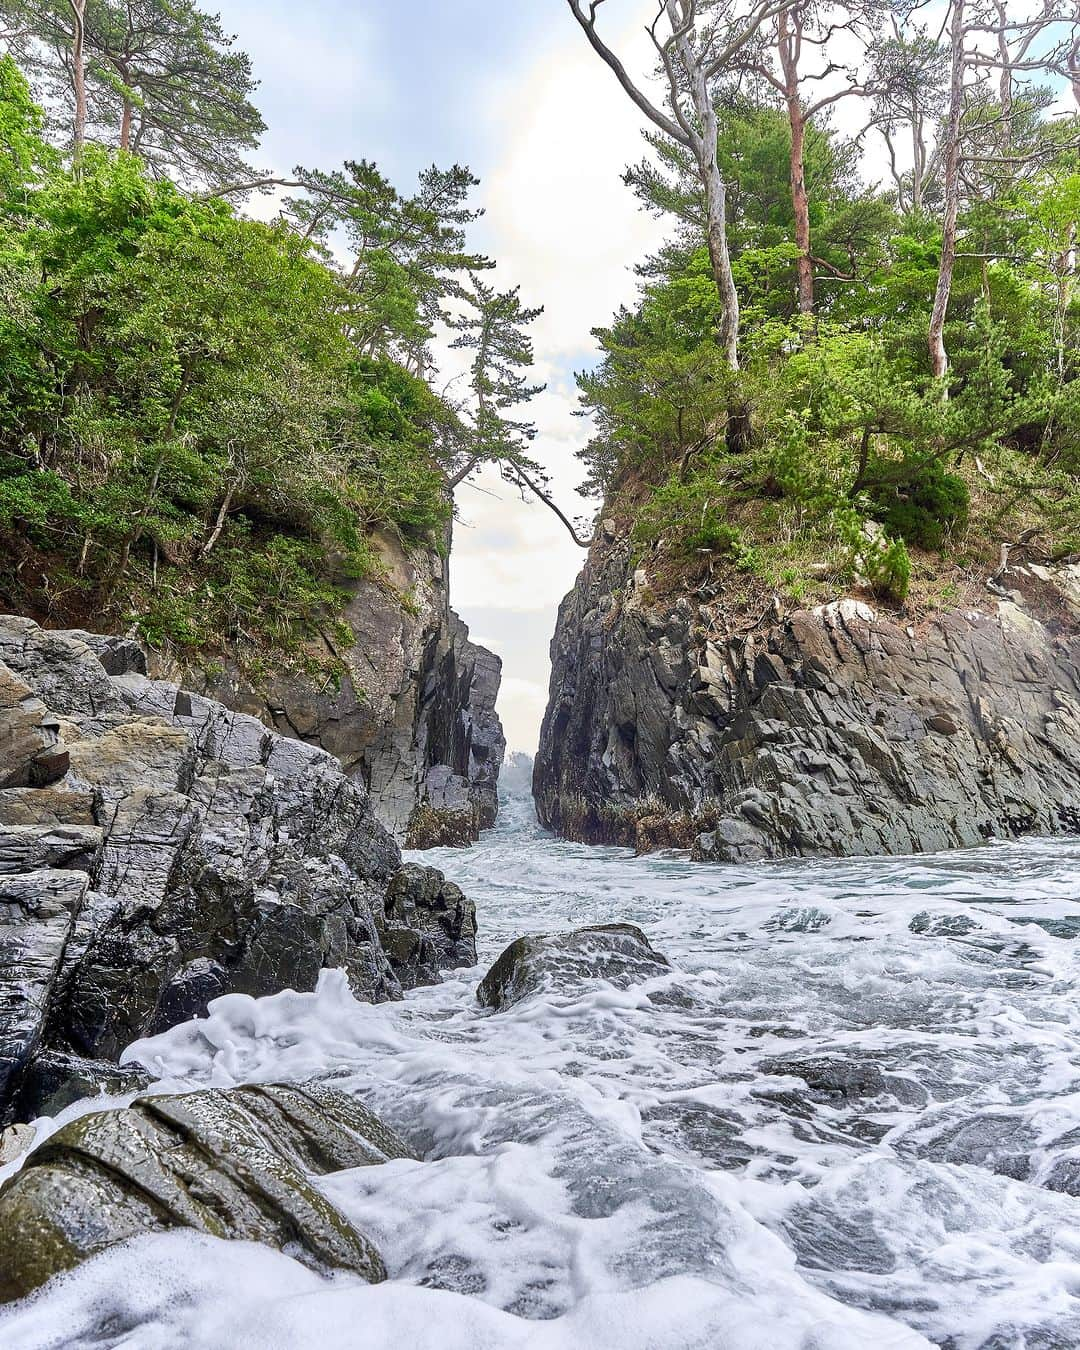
(854, 451)
(920, 503)
(163, 79)
(189, 435)
(694, 513)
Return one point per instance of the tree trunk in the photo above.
(939, 360)
(720, 261)
(125, 126)
(786, 45)
(219, 523)
(1005, 84)
(78, 67)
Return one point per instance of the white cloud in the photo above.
(561, 224)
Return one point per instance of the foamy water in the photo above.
(635, 1169)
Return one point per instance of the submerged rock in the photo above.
(617, 952)
(185, 852)
(231, 1164)
(831, 731)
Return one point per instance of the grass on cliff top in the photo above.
(712, 538)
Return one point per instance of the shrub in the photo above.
(919, 503)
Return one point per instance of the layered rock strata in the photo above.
(836, 731)
(158, 850)
(412, 714)
(229, 1164)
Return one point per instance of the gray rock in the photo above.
(187, 852)
(619, 953)
(30, 751)
(413, 717)
(230, 1164)
(831, 1078)
(37, 917)
(420, 900)
(54, 1080)
(829, 732)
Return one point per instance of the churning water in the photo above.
(849, 1119)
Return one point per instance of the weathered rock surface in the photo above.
(413, 715)
(619, 953)
(429, 925)
(231, 1164)
(833, 731)
(186, 852)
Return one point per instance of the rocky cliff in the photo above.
(837, 730)
(412, 712)
(158, 850)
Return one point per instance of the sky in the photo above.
(510, 88)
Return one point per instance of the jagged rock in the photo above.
(37, 915)
(420, 901)
(30, 753)
(834, 731)
(413, 715)
(54, 1080)
(232, 1164)
(619, 953)
(187, 852)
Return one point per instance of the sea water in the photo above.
(848, 1119)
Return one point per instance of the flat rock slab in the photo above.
(231, 1164)
(619, 953)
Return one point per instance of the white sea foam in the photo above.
(645, 1167)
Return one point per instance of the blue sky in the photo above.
(510, 88)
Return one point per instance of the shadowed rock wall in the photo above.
(834, 731)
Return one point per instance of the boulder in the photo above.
(618, 953)
(420, 901)
(231, 1164)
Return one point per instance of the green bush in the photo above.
(888, 569)
(922, 504)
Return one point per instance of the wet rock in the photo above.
(1064, 1176)
(619, 953)
(187, 852)
(833, 731)
(419, 900)
(841, 1079)
(37, 916)
(231, 1164)
(54, 1080)
(942, 925)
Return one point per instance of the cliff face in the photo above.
(827, 731)
(158, 850)
(413, 713)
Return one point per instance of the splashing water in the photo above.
(850, 1118)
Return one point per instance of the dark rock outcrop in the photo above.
(619, 953)
(429, 926)
(187, 851)
(413, 712)
(832, 731)
(231, 1164)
